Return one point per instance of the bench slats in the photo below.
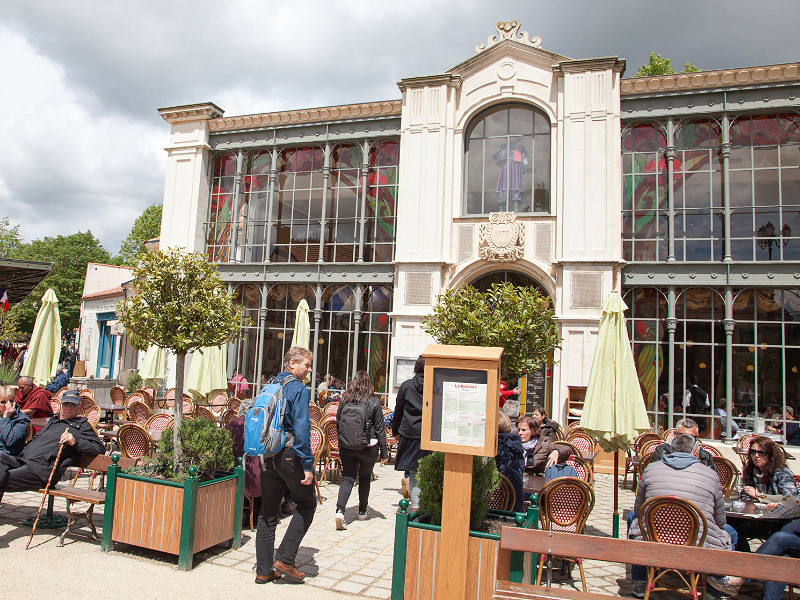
(665, 556)
(79, 494)
(507, 590)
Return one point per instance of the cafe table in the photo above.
(532, 484)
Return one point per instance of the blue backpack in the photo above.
(263, 424)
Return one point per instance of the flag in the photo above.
(3, 297)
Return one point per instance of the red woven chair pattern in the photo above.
(202, 412)
(583, 468)
(314, 414)
(711, 450)
(227, 417)
(565, 504)
(727, 473)
(317, 447)
(581, 441)
(503, 496)
(134, 441)
(649, 447)
(743, 446)
(573, 450)
(669, 435)
(87, 401)
(233, 404)
(60, 392)
(139, 413)
(93, 415)
(672, 520)
(55, 405)
(159, 422)
(331, 447)
(117, 394)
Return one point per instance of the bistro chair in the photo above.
(727, 473)
(137, 397)
(118, 395)
(145, 396)
(711, 450)
(60, 393)
(87, 401)
(159, 422)
(672, 520)
(203, 412)
(564, 505)
(643, 462)
(317, 448)
(743, 446)
(582, 441)
(503, 497)
(573, 450)
(219, 403)
(134, 441)
(331, 447)
(228, 416)
(93, 416)
(86, 392)
(314, 413)
(233, 404)
(150, 392)
(170, 395)
(55, 405)
(583, 468)
(669, 435)
(330, 408)
(139, 413)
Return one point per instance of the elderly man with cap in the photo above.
(31, 469)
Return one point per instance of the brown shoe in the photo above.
(261, 579)
(289, 571)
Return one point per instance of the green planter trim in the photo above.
(151, 480)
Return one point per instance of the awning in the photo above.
(21, 276)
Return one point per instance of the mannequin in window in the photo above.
(512, 158)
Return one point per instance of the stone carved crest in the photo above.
(502, 239)
(509, 30)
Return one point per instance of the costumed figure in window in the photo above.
(512, 158)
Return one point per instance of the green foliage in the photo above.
(205, 446)
(9, 237)
(9, 328)
(146, 227)
(7, 373)
(658, 65)
(69, 255)
(430, 478)
(518, 319)
(134, 382)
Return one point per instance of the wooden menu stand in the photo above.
(459, 418)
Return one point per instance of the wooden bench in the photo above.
(98, 463)
(665, 556)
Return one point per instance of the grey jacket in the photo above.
(682, 475)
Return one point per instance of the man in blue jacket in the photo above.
(13, 424)
(292, 468)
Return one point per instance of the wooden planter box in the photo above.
(177, 518)
(415, 548)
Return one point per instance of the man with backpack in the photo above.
(290, 467)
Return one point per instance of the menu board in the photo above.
(458, 413)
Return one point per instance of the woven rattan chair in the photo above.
(170, 394)
(86, 392)
(93, 415)
(203, 412)
(672, 520)
(743, 446)
(331, 447)
(137, 397)
(87, 400)
(219, 403)
(584, 469)
(55, 405)
(315, 414)
(317, 448)
(643, 462)
(150, 392)
(711, 450)
(146, 397)
(669, 435)
(728, 474)
(233, 404)
(139, 413)
(60, 393)
(134, 441)
(159, 422)
(330, 408)
(582, 442)
(503, 497)
(649, 447)
(118, 395)
(573, 450)
(564, 505)
(227, 417)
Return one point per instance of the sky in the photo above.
(82, 145)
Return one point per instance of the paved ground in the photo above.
(339, 564)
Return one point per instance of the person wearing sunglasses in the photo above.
(13, 423)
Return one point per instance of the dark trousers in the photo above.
(356, 463)
(785, 542)
(15, 476)
(282, 471)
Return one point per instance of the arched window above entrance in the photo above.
(484, 282)
(507, 161)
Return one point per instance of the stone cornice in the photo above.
(191, 112)
(429, 80)
(711, 79)
(590, 64)
(308, 115)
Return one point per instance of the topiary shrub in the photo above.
(430, 478)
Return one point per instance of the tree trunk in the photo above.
(180, 364)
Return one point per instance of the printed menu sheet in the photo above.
(464, 413)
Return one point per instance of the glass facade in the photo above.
(507, 161)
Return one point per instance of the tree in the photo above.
(9, 237)
(658, 65)
(181, 304)
(518, 319)
(69, 255)
(146, 227)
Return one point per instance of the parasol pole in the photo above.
(615, 516)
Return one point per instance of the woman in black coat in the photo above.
(407, 426)
(510, 457)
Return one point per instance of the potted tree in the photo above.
(181, 304)
(521, 321)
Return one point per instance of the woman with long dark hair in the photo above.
(361, 432)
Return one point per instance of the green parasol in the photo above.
(207, 372)
(44, 349)
(613, 410)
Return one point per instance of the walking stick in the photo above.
(46, 490)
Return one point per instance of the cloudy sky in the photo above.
(81, 144)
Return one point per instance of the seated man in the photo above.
(680, 473)
(685, 427)
(31, 469)
(59, 381)
(33, 400)
(13, 424)
(549, 427)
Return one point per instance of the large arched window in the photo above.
(507, 161)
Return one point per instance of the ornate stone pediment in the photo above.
(509, 30)
(502, 239)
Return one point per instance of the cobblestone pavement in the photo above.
(358, 561)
